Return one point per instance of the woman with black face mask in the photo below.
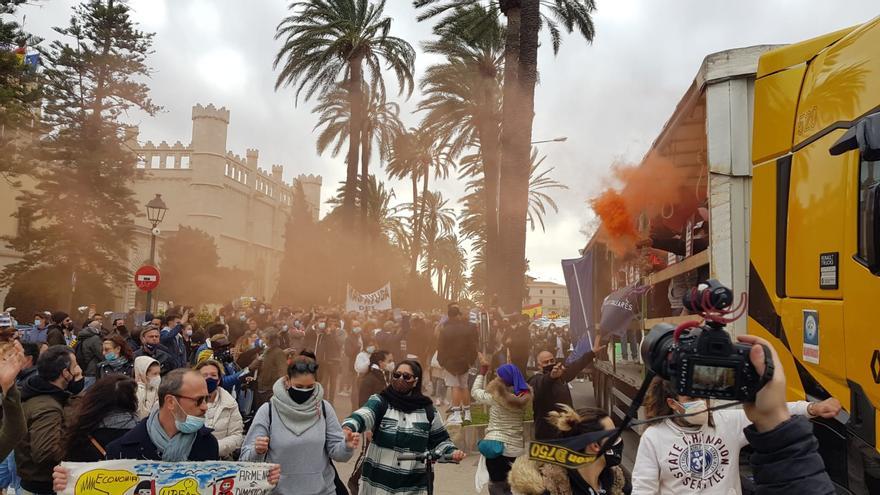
(586, 431)
(304, 431)
(413, 427)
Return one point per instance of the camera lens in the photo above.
(656, 347)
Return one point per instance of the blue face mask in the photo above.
(36, 323)
(110, 356)
(371, 349)
(191, 424)
(322, 325)
(212, 384)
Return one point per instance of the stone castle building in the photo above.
(205, 186)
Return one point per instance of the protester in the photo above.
(61, 330)
(419, 339)
(304, 431)
(274, 364)
(375, 379)
(222, 416)
(38, 333)
(118, 358)
(151, 347)
(456, 351)
(103, 413)
(325, 341)
(44, 397)
(586, 430)
(147, 376)
(353, 345)
(31, 354)
(171, 337)
(508, 396)
(13, 425)
(550, 387)
(89, 351)
(414, 428)
(718, 435)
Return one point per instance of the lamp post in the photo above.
(156, 209)
(555, 140)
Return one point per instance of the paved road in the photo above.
(454, 479)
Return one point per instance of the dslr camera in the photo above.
(702, 360)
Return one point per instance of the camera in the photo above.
(702, 361)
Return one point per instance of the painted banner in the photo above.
(379, 300)
(579, 282)
(126, 477)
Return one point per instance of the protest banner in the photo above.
(126, 477)
(374, 301)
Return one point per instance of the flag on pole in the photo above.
(579, 282)
(533, 310)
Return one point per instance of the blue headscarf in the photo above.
(511, 376)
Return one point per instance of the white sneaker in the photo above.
(467, 415)
(454, 418)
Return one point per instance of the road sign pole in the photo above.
(152, 263)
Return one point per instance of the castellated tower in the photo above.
(311, 185)
(209, 129)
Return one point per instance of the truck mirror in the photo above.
(864, 136)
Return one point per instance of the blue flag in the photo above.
(579, 281)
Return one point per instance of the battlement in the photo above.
(210, 112)
(309, 179)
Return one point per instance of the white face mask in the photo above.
(390, 366)
(699, 407)
(154, 382)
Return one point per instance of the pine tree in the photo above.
(19, 96)
(302, 254)
(83, 204)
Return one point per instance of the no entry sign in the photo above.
(146, 278)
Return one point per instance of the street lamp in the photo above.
(555, 140)
(156, 210)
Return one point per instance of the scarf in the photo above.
(297, 417)
(119, 420)
(174, 449)
(511, 376)
(117, 363)
(407, 403)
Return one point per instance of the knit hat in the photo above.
(59, 316)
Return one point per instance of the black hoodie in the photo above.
(41, 449)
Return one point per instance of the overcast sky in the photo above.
(610, 98)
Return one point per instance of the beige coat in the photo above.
(506, 413)
(225, 419)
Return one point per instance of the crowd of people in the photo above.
(264, 384)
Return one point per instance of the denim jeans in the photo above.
(8, 473)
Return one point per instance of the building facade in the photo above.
(243, 206)
(550, 295)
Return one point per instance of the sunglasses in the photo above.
(198, 400)
(302, 367)
(405, 376)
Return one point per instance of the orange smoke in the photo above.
(633, 190)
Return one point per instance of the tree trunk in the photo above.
(355, 101)
(490, 151)
(516, 147)
(420, 220)
(414, 254)
(366, 150)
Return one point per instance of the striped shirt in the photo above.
(397, 433)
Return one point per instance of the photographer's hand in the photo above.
(769, 409)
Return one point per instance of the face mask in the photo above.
(242, 317)
(36, 323)
(300, 395)
(284, 328)
(614, 455)
(697, 406)
(402, 387)
(371, 349)
(547, 369)
(154, 381)
(356, 330)
(212, 384)
(188, 333)
(297, 323)
(150, 347)
(262, 310)
(322, 326)
(389, 367)
(110, 356)
(191, 424)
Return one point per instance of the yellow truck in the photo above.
(780, 147)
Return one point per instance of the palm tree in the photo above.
(524, 20)
(462, 105)
(383, 218)
(415, 154)
(324, 40)
(439, 221)
(450, 261)
(380, 123)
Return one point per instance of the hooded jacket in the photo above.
(372, 382)
(160, 354)
(146, 396)
(12, 426)
(506, 413)
(89, 351)
(41, 449)
(225, 420)
(55, 335)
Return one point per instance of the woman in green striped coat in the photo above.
(403, 420)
